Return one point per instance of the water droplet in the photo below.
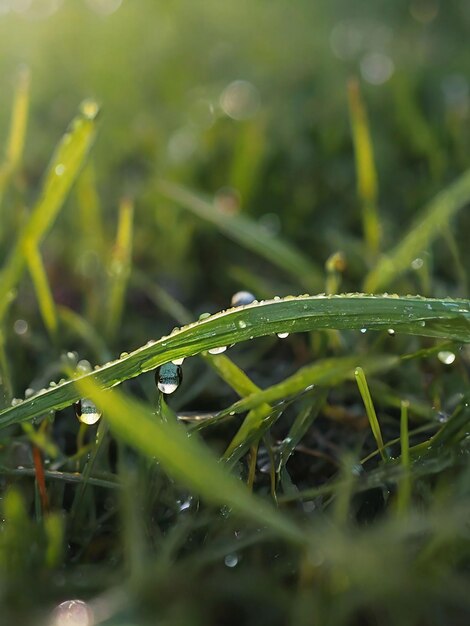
(391, 332)
(218, 350)
(442, 417)
(241, 324)
(20, 327)
(231, 560)
(72, 613)
(16, 401)
(204, 316)
(363, 330)
(59, 169)
(282, 335)
(29, 392)
(422, 323)
(83, 367)
(241, 298)
(123, 355)
(179, 361)
(168, 377)
(446, 357)
(86, 411)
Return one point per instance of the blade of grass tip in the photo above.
(186, 459)
(42, 289)
(18, 123)
(365, 167)
(428, 225)
(370, 410)
(120, 266)
(404, 490)
(62, 172)
(248, 234)
(448, 319)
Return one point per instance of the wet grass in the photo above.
(172, 454)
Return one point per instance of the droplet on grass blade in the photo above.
(241, 298)
(168, 377)
(217, 350)
(446, 356)
(282, 335)
(72, 613)
(87, 411)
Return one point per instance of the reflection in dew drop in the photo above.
(168, 377)
(59, 169)
(241, 298)
(72, 613)
(240, 100)
(178, 361)
(282, 335)
(231, 560)
(376, 68)
(217, 350)
(446, 357)
(87, 412)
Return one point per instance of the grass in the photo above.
(312, 464)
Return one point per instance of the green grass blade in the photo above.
(63, 169)
(404, 492)
(184, 458)
(248, 234)
(120, 267)
(428, 225)
(448, 319)
(19, 120)
(370, 410)
(367, 183)
(43, 290)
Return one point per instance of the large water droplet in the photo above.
(72, 613)
(231, 560)
(87, 411)
(242, 297)
(168, 377)
(446, 357)
(217, 350)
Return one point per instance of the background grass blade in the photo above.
(63, 169)
(427, 226)
(448, 319)
(248, 234)
(185, 458)
(42, 288)
(367, 184)
(370, 410)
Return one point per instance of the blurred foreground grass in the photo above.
(316, 472)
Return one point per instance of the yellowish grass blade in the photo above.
(42, 288)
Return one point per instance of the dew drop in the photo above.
(231, 560)
(241, 324)
(59, 169)
(29, 392)
(446, 357)
(282, 335)
(168, 377)
(218, 350)
(204, 316)
(241, 298)
(179, 361)
(363, 330)
(72, 613)
(83, 367)
(87, 411)
(16, 401)
(123, 355)
(391, 332)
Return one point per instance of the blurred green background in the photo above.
(247, 100)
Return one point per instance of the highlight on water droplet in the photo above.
(168, 377)
(363, 330)
(391, 332)
(217, 350)
(179, 361)
(72, 613)
(282, 335)
(241, 298)
(87, 412)
(446, 356)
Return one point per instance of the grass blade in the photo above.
(248, 234)
(449, 319)
(365, 166)
(184, 458)
(63, 169)
(43, 290)
(370, 410)
(428, 225)
(404, 492)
